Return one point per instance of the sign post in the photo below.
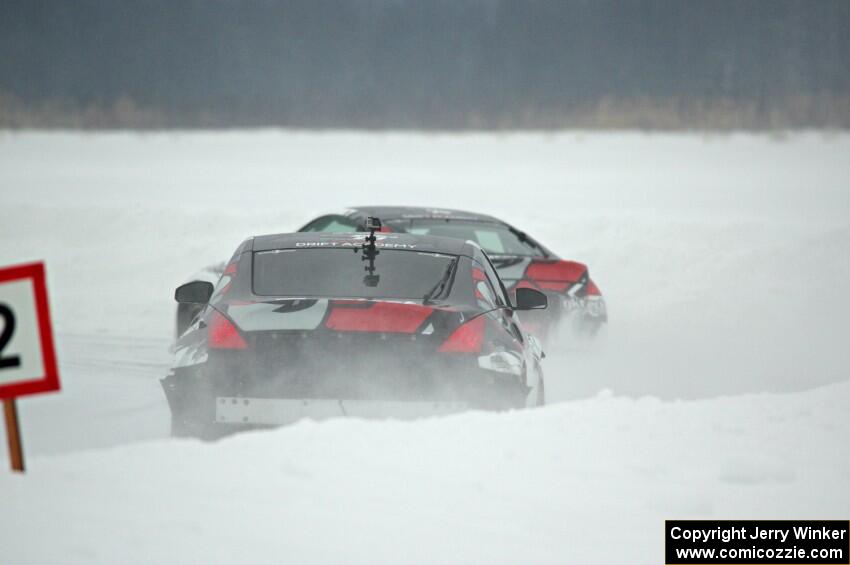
(27, 355)
(13, 434)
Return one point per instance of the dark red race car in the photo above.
(372, 325)
(521, 261)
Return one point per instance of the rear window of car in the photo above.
(493, 238)
(341, 273)
(331, 224)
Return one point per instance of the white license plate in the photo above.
(279, 411)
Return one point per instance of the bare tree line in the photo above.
(438, 64)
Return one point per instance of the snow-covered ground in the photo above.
(725, 262)
(588, 481)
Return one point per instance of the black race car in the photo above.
(380, 324)
(520, 260)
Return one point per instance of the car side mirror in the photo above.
(530, 299)
(195, 292)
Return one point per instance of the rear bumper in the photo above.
(208, 407)
(586, 315)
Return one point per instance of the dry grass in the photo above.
(823, 111)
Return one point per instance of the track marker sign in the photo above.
(27, 355)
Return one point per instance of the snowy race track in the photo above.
(725, 262)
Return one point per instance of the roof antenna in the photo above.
(372, 225)
(370, 251)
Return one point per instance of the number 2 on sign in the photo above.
(6, 336)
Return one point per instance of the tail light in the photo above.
(222, 334)
(468, 338)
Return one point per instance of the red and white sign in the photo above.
(27, 355)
